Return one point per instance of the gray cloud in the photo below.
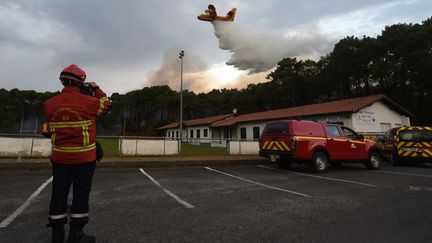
(125, 44)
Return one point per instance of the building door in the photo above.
(226, 133)
(256, 133)
(243, 133)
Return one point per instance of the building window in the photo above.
(169, 134)
(198, 133)
(256, 133)
(191, 133)
(205, 132)
(177, 134)
(243, 133)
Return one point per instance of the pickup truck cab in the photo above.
(409, 144)
(319, 144)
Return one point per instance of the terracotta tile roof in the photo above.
(338, 106)
(169, 126)
(198, 122)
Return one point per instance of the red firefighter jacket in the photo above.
(71, 123)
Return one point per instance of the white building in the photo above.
(195, 130)
(368, 115)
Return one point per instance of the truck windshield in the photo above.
(278, 127)
(415, 135)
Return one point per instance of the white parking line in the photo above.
(177, 198)
(323, 177)
(17, 212)
(402, 173)
(257, 183)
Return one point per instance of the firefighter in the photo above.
(71, 125)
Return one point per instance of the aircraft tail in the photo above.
(231, 14)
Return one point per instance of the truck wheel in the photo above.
(394, 160)
(319, 162)
(374, 161)
(283, 164)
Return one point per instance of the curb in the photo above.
(25, 166)
(137, 164)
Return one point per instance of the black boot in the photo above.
(58, 234)
(77, 235)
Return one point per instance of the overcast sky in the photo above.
(130, 44)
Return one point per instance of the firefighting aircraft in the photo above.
(211, 15)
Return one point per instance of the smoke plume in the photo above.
(259, 52)
(169, 71)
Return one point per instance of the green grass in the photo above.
(109, 146)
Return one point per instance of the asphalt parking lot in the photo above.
(251, 203)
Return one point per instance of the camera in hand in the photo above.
(87, 89)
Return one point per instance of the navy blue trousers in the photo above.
(80, 176)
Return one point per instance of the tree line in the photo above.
(398, 63)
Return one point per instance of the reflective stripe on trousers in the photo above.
(79, 215)
(58, 216)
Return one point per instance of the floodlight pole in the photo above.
(124, 119)
(181, 55)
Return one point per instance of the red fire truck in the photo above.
(318, 144)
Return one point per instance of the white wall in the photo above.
(243, 147)
(25, 146)
(369, 119)
(133, 147)
(42, 147)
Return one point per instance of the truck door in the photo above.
(355, 146)
(336, 142)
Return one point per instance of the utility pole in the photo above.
(36, 125)
(124, 119)
(181, 55)
(22, 122)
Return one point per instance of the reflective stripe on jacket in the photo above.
(71, 124)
